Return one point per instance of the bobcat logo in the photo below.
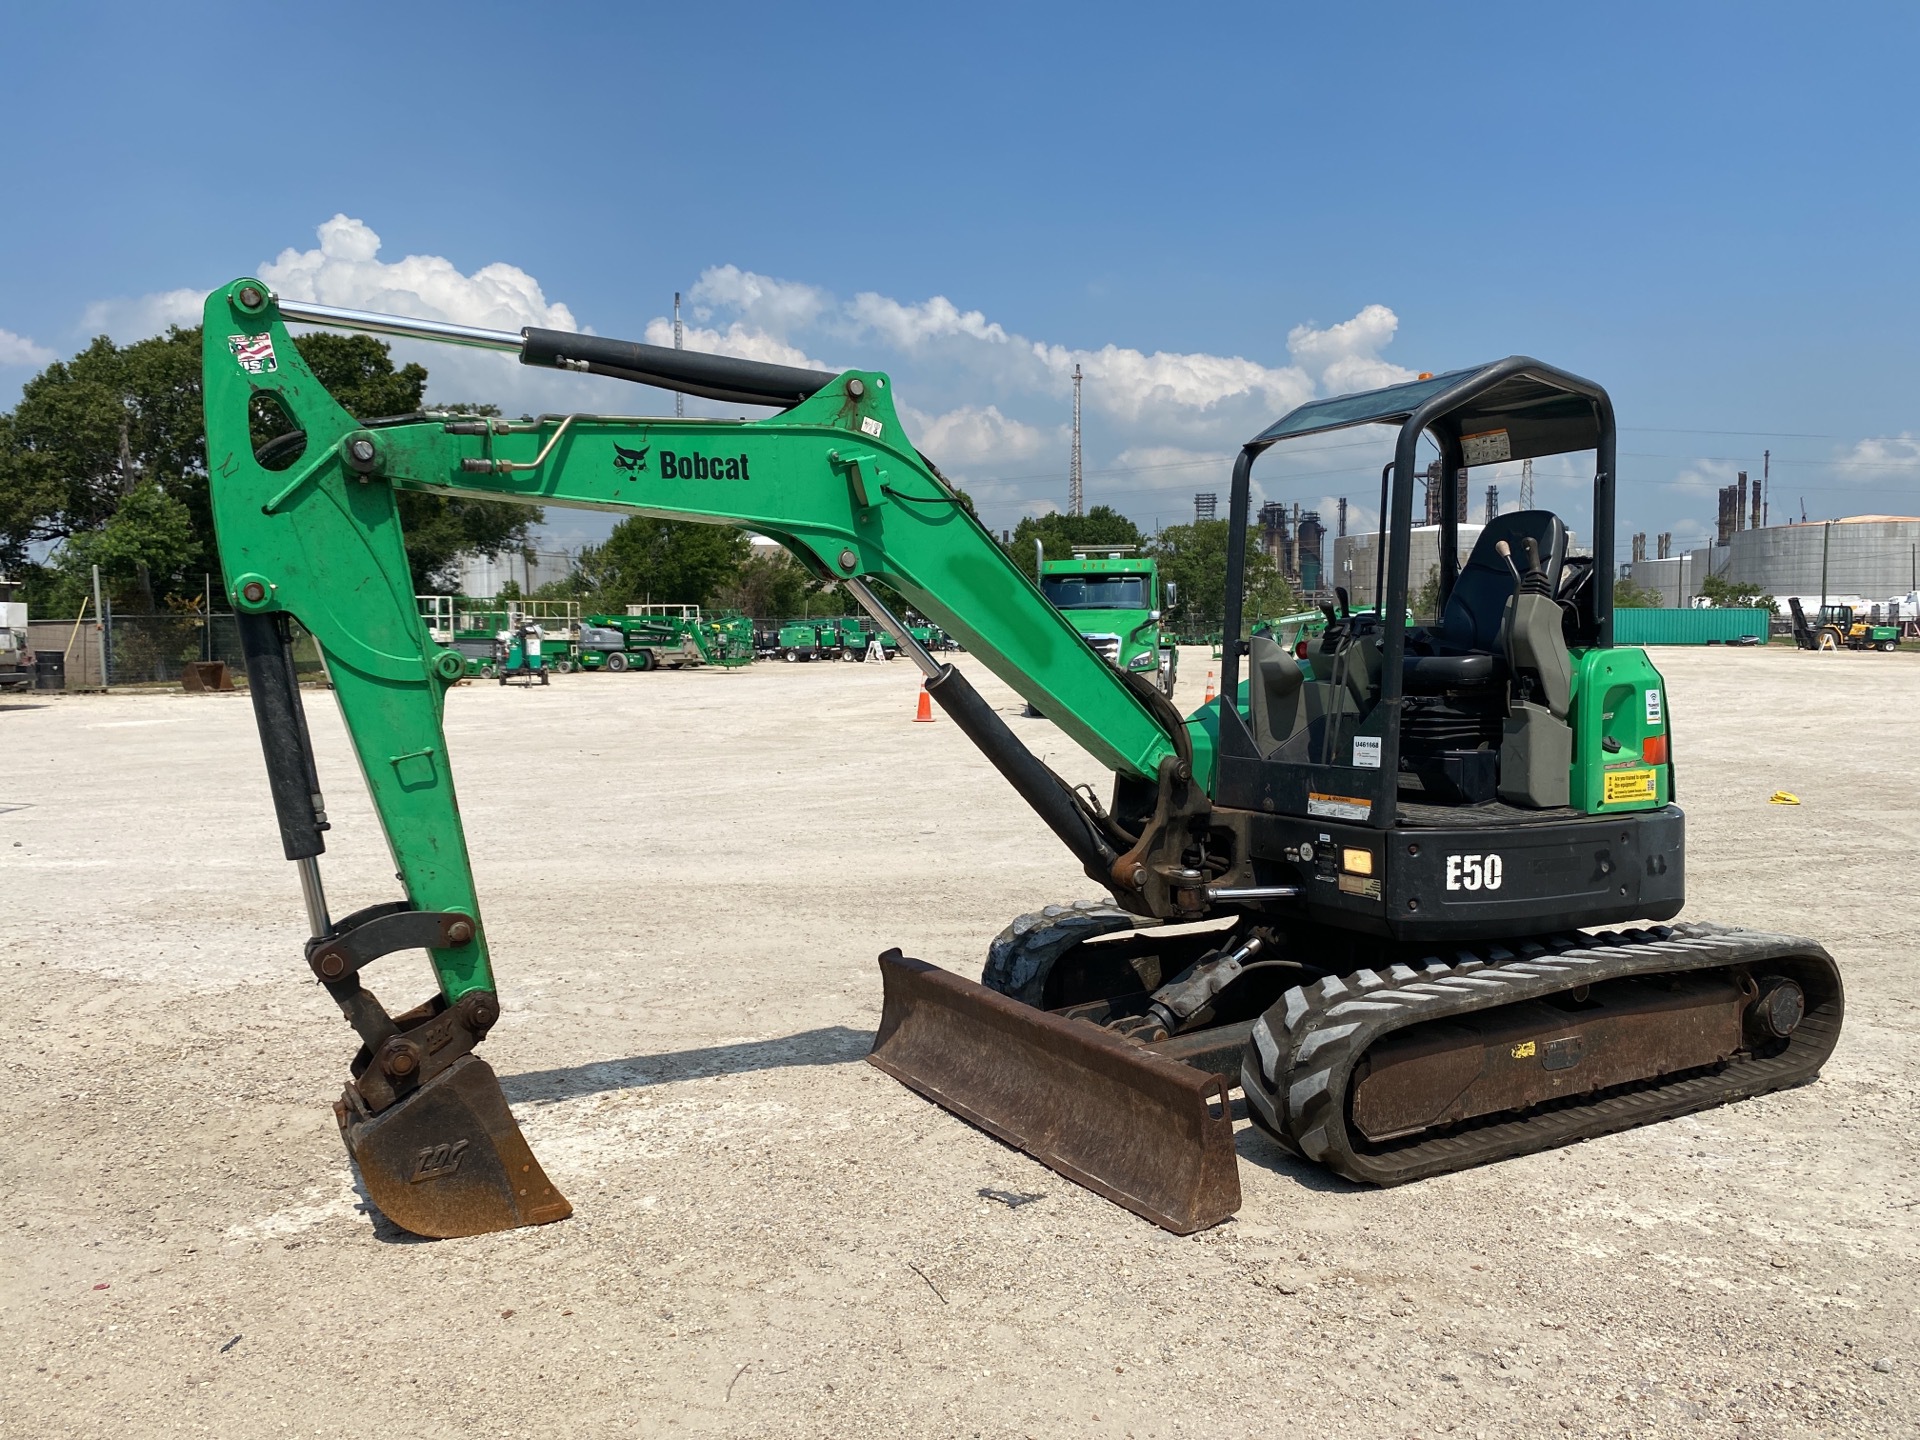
(633, 461)
(436, 1162)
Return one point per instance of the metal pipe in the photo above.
(406, 327)
(886, 620)
(1253, 892)
(1237, 502)
(314, 897)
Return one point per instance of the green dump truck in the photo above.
(1114, 598)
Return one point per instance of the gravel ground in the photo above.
(687, 877)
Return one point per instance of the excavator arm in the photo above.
(304, 502)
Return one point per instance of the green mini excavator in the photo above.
(1366, 887)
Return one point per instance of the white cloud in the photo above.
(988, 404)
(19, 350)
(980, 433)
(1131, 385)
(762, 302)
(906, 327)
(739, 340)
(346, 270)
(135, 319)
(1347, 356)
(1886, 454)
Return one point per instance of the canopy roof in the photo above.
(1515, 409)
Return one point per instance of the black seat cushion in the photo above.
(1479, 598)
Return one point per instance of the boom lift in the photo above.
(1360, 887)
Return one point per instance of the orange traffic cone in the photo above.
(1210, 694)
(924, 716)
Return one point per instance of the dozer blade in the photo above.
(1149, 1133)
(448, 1160)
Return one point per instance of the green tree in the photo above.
(440, 529)
(1730, 594)
(1058, 533)
(1194, 558)
(1426, 601)
(1629, 595)
(672, 562)
(150, 535)
(90, 432)
(768, 586)
(85, 435)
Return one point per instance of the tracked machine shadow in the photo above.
(1369, 886)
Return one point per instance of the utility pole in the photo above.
(1526, 484)
(1076, 500)
(103, 627)
(679, 400)
(1826, 538)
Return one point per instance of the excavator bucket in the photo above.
(448, 1160)
(1147, 1132)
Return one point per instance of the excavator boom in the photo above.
(304, 504)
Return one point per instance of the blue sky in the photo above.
(1217, 211)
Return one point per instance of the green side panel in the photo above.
(1618, 696)
(1688, 627)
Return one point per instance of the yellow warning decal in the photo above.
(1526, 1050)
(1629, 785)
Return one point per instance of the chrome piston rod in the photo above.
(406, 327)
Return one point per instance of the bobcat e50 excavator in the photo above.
(1362, 886)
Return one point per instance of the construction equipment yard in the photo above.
(687, 880)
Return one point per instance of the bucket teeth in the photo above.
(448, 1160)
(1147, 1132)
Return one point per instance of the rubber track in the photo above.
(1303, 1050)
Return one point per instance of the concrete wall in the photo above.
(82, 650)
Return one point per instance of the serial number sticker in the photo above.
(1489, 447)
(1340, 807)
(1365, 886)
(871, 426)
(1628, 785)
(1366, 752)
(1526, 1050)
(1653, 707)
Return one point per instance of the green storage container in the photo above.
(1689, 627)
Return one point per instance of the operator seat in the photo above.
(1467, 647)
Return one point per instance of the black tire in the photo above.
(788, 656)
(616, 662)
(1886, 645)
(1022, 956)
(565, 667)
(643, 661)
(546, 677)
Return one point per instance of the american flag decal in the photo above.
(254, 352)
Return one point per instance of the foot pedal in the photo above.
(449, 1160)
